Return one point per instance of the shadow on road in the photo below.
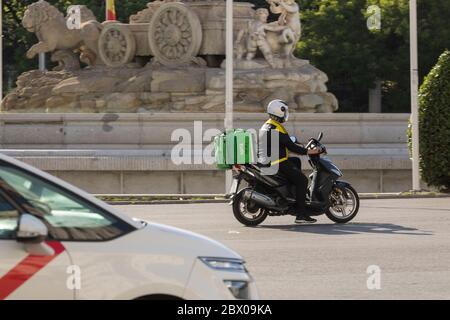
(351, 228)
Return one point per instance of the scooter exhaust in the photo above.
(260, 199)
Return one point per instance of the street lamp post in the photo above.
(414, 93)
(229, 79)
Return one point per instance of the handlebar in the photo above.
(314, 143)
(309, 143)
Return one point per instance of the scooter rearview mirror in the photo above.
(320, 136)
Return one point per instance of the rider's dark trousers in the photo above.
(292, 170)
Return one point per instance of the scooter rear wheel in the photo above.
(346, 205)
(246, 213)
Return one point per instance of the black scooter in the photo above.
(272, 195)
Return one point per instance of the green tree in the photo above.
(434, 125)
(15, 41)
(336, 39)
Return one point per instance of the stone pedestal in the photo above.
(149, 89)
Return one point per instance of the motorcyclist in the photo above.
(289, 167)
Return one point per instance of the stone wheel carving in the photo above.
(116, 45)
(175, 34)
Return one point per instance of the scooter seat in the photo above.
(275, 179)
(280, 178)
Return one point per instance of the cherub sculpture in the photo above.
(276, 40)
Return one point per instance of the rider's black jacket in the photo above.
(285, 143)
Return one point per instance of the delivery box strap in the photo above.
(282, 159)
(279, 161)
(277, 125)
(281, 129)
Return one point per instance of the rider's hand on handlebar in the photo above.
(313, 151)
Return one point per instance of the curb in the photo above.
(148, 199)
(127, 203)
(405, 195)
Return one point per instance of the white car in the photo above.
(59, 242)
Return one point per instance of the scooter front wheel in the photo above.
(344, 205)
(246, 211)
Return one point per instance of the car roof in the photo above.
(69, 187)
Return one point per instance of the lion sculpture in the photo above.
(50, 27)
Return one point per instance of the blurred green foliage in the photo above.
(434, 125)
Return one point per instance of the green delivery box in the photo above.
(235, 146)
(220, 152)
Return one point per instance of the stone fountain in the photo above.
(168, 58)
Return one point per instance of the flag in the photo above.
(110, 10)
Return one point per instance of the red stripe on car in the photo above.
(26, 268)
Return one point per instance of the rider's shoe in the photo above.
(301, 218)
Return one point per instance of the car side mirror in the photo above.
(31, 229)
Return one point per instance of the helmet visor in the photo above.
(286, 115)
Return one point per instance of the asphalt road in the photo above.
(407, 239)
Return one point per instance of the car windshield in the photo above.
(45, 199)
(68, 215)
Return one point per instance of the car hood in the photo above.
(195, 244)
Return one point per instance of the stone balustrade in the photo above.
(131, 153)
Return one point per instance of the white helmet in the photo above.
(278, 108)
